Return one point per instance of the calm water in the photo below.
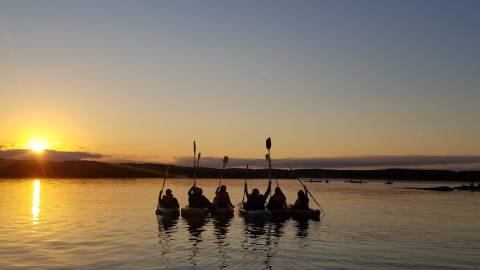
(110, 224)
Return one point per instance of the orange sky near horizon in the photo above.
(142, 81)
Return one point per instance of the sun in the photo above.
(37, 145)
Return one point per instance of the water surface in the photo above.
(110, 224)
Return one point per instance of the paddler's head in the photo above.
(168, 192)
(255, 192)
(223, 188)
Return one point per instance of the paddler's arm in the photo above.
(191, 190)
(245, 190)
(268, 189)
(160, 196)
(229, 201)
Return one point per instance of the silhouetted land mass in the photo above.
(94, 169)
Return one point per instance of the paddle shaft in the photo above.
(165, 178)
(305, 187)
(221, 175)
(311, 195)
(163, 185)
(195, 170)
(246, 174)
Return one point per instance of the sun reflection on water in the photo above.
(36, 201)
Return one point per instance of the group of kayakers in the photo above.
(255, 200)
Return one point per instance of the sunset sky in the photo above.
(140, 80)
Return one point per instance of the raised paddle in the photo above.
(268, 144)
(246, 174)
(194, 153)
(163, 185)
(225, 161)
(195, 170)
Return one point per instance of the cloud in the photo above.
(50, 155)
(361, 162)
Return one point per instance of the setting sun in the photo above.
(37, 145)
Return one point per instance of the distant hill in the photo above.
(94, 169)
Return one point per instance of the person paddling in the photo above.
(168, 201)
(302, 200)
(255, 200)
(222, 198)
(196, 199)
(278, 200)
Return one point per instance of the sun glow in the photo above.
(37, 145)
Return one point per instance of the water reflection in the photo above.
(221, 228)
(302, 228)
(262, 238)
(36, 201)
(195, 227)
(167, 227)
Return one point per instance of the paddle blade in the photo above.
(198, 159)
(268, 143)
(194, 147)
(225, 160)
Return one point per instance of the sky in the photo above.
(140, 80)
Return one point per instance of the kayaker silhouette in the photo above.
(278, 200)
(196, 199)
(168, 201)
(222, 198)
(255, 200)
(302, 200)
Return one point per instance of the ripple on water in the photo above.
(108, 224)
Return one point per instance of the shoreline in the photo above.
(14, 169)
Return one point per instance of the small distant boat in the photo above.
(389, 182)
(192, 212)
(314, 181)
(439, 188)
(357, 181)
(326, 181)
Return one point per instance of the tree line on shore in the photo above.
(95, 169)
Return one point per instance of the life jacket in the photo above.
(168, 202)
(255, 202)
(277, 202)
(198, 201)
(222, 200)
(302, 203)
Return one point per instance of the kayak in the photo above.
(192, 212)
(167, 211)
(305, 213)
(280, 213)
(261, 213)
(223, 211)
